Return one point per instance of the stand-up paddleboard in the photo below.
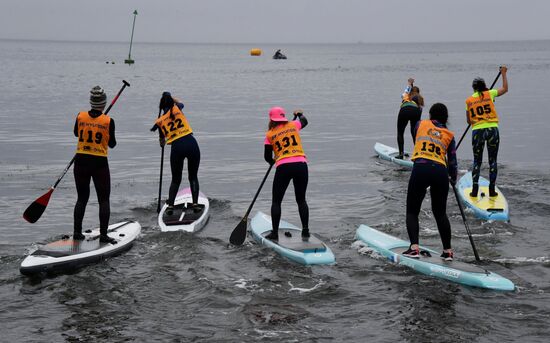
(185, 217)
(68, 254)
(483, 206)
(389, 154)
(455, 271)
(291, 245)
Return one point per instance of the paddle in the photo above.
(465, 223)
(161, 168)
(239, 233)
(468, 127)
(35, 210)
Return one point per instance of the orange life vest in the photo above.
(93, 134)
(285, 140)
(174, 128)
(432, 142)
(481, 109)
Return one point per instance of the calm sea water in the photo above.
(181, 287)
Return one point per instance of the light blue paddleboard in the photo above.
(388, 153)
(290, 244)
(483, 206)
(455, 271)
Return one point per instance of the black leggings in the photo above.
(298, 173)
(406, 114)
(435, 176)
(479, 137)
(185, 147)
(102, 183)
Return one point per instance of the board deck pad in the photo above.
(295, 241)
(68, 247)
(183, 214)
(484, 201)
(483, 206)
(436, 259)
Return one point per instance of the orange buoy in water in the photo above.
(255, 52)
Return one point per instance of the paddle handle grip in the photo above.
(116, 97)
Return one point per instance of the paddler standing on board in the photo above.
(96, 133)
(174, 130)
(482, 115)
(409, 111)
(435, 164)
(283, 140)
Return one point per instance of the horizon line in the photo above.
(359, 42)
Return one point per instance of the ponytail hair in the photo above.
(166, 103)
(479, 86)
(416, 97)
(273, 124)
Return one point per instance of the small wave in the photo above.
(244, 284)
(364, 249)
(524, 260)
(305, 290)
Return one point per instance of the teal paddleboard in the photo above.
(455, 271)
(290, 243)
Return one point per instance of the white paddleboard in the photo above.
(389, 154)
(69, 254)
(184, 216)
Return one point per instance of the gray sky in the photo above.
(276, 21)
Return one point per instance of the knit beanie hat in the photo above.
(98, 98)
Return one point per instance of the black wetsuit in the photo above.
(427, 173)
(96, 168)
(183, 148)
(409, 112)
(298, 173)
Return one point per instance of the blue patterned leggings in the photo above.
(479, 137)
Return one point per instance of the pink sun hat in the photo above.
(277, 114)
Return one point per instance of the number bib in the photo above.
(285, 140)
(93, 134)
(432, 142)
(174, 128)
(481, 110)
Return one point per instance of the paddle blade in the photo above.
(35, 210)
(239, 233)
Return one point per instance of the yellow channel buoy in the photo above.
(255, 52)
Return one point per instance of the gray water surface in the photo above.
(181, 287)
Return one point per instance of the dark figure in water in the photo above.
(174, 130)
(283, 140)
(435, 164)
(279, 55)
(96, 133)
(410, 111)
(482, 115)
